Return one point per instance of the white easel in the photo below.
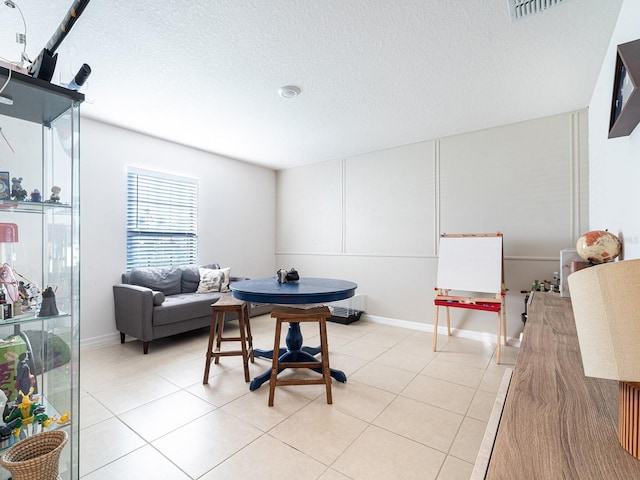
(471, 262)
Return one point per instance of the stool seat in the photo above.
(300, 314)
(227, 304)
(297, 359)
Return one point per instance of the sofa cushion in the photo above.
(185, 306)
(166, 280)
(213, 280)
(191, 277)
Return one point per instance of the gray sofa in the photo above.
(153, 303)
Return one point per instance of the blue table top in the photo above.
(306, 290)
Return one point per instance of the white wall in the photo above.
(236, 213)
(614, 194)
(376, 218)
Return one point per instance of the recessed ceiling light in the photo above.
(289, 91)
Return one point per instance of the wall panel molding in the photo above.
(436, 196)
(385, 211)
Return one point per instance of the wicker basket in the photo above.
(36, 457)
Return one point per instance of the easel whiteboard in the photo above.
(471, 262)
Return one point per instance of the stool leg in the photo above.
(274, 364)
(324, 347)
(219, 328)
(207, 365)
(249, 336)
(243, 343)
(435, 328)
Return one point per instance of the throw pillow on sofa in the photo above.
(213, 280)
(165, 280)
(191, 277)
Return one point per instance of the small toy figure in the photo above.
(28, 294)
(35, 196)
(17, 192)
(5, 431)
(55, 194)
(24, 380)
(23, 292)
(27, 412)
(65, 418)
(48, 306)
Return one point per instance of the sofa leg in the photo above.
(145, 347)
(121, 337)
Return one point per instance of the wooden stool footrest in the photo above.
(319, 381)
(231, 339)
(227, 353)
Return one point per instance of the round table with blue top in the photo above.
(304, 291)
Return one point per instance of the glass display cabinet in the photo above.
(39, 263)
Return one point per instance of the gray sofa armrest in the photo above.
(134, 310)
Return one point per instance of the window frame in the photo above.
(162, 219)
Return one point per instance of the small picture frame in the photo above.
(625, 101)
(5, 186)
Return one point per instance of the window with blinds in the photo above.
(162, 220)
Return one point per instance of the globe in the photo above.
(599, 246)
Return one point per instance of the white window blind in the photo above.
(162, 220)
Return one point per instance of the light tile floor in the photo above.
(405, 412)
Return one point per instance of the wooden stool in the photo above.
(296, 359)
(223, 305)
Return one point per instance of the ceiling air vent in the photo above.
(524, 8)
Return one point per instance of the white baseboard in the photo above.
(100, 341)
(442, 330)
(112, 338)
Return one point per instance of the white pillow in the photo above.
(213, 280)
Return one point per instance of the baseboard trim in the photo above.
(442, 330)
(100, 340)
(112, 338)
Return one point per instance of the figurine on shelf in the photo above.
(55, 194)
(5, 431)
(48, 306)
(28, 292)
(23, 292)
(27, 295)
(35, 196)
(17, 192)
(27, 412)
(65, 418)
(24, 379)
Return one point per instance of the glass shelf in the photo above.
(30, 316)
(31, 207)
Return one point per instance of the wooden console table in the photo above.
(556, 423)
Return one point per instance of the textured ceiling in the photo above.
(373, 73)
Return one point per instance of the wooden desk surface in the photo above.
(557, 423)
